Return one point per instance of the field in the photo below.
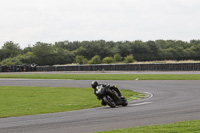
(105, 76)
(18, 101)
(180, 127)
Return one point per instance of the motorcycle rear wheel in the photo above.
(108, 100)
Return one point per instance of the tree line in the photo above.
(99, 51)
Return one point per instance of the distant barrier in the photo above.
(106, 67)
(18, 68)
(125, 67)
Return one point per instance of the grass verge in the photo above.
(18, 101)
(105, 76)
(180, 127)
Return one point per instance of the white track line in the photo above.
(151, 95)
(136, 104)
(143, 103)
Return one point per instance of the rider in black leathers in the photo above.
(95, 84)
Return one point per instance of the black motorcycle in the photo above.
(110, 97)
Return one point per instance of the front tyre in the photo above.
(108, 100)
(124, 102)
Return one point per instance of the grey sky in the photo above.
(29, 21)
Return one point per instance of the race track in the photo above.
(171, 101)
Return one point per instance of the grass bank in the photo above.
(18, 101)
(180, 127)
(105, 76)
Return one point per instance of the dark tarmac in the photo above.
(169, 101)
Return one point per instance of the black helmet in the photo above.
(94, 84)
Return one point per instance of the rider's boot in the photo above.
(120, 95)
(118, 92)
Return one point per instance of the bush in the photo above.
(129, 59)
(11, 61)
(108, 60)
(117, 58)
(27, 58)
(95, 60)
(81, 59)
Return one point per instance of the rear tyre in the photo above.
(108, 100)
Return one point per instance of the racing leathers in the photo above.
(112, 87)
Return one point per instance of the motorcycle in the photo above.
(110, 97)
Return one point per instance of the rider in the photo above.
(95, 84)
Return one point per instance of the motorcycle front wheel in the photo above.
(124, 102)
(108, 100)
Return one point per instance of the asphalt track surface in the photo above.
(169, 101)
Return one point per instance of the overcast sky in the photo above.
(29, 21)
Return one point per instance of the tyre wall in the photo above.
(125, 67)
(18, 68)
(104, 67)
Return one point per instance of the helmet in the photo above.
(94, 84)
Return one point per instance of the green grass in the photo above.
(18, 101)
(105, 76)
(180, 127)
